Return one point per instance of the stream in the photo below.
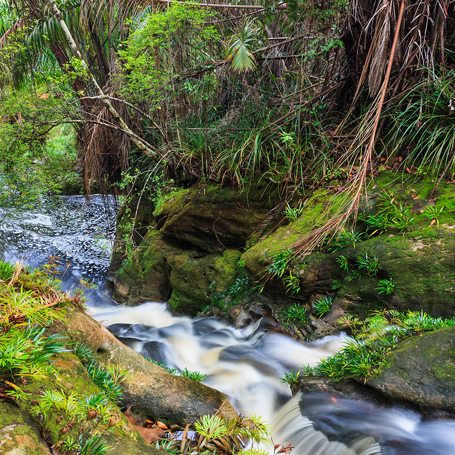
(246, 364)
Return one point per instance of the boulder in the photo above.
(160, 271)
(152, 390)
(211, 218)
(74, 378)
(421, 371)
(145, 275)
(419, 261)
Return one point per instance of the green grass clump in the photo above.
(374, 340)
(323, 306)
(185, 373)
(291, 378)
(295, 314)
(193, 375)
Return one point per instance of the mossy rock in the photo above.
(19, 434)
(211, 218)
(195, 279)
(146, 273)
(421, 371)
(152, 390)
(419, 261)
(160, 271)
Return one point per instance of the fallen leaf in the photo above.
(162, 425)
(434, 221)
(334, 399)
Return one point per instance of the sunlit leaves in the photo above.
(239, 48)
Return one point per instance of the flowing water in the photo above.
(245, 364)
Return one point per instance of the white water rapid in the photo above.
(245, 364)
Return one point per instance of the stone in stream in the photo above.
(421, 371)
(153, 350)
(420, 374)
(152, 391)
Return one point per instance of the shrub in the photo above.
(323, 306)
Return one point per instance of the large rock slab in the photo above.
(152, 390)
(422, 371)
(419, 261)
(210, 218)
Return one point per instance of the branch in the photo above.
(224, 5)
(132, 106)
(134, 137)
(140, 143)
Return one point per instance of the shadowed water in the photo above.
(245, 364)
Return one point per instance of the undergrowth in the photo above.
(373, 341)
(30, 299)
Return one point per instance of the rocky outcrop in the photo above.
(421, 371)
(191, 251)
(211, 218)
(420, 374)
(152, 390)
(418, 260)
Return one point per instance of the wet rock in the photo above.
(153, 350)
(153, 390)
(211, 218)
(329, 324)
(421, 371)
(349, 389)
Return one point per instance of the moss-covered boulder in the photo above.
(195, 279)
(152, 390)
(191, 250)
(74, 379)
(210, 218)
(419, 260)
(421, 371)
(160, 271)
(145, 275)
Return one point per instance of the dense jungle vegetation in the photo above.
(135, 97)
(138, 98)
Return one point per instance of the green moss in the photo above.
(195, 279)
(18, 433)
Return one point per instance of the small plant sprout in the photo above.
(294, 213)
(346, 239)
(292, 283)
(369, 263)
(336, 284)
(291, 378)
(385, 286)
(193, 375)
(432, 213)
(344, 263)
(323, 306)
(280, 263)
